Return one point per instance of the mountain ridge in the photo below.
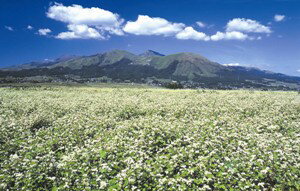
(121, 65)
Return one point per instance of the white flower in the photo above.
(265, 171)
(261, 184)
(14, 156)
(103, 184)
(52, 178)
(206, 187)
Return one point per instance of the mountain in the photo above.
(191, 69)
(150, 53)
(42, 64)
(188, 65)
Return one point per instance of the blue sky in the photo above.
(259, 33)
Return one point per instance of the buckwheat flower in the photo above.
(103, 184)
(18, 175)
(260, 161)
(52, 178)
(261, 184)
(94, 170)
(265, 171)
(66, 185)
(206, 187)
(131, 179)
(14, 156)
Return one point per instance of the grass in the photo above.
(123, 138)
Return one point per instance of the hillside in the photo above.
(188, 65)
(191, 69)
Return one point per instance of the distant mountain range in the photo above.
(190, 69)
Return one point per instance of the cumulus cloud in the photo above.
(279, 18)
(233, 35)
(298, 70)
(190, 33)
(201, 24)
(93, 21)
(146, 25)
(80, 32)
(44, 32)
(9, 28)
(236, 29)
(29, 27)
(76, 14)
(97, 23)
(247, 26)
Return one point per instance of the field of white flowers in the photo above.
(84, 138)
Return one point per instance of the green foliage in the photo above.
(174, 85)
(38, 124)
(89, 138)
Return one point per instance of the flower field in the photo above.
(88, 138)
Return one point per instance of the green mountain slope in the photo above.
(122, 65)
(98, 59)
(188, 64)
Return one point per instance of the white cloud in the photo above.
(97, 23)
(29, 27)
(80, 32)
(76, 14)
(233, 35)
(44, 32)
(232, 64)
(201, 24)
(279, 18)
(190, 33)
(146, 25)
(298, 70)
(247, 26)
(9, 28)
(94, 21)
